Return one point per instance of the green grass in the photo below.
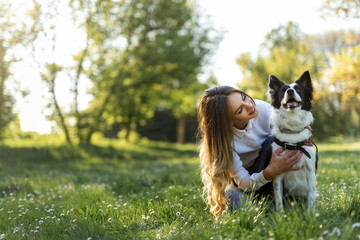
(152, 190)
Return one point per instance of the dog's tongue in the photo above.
(291, 104)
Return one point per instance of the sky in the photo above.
(247, 22)
(244, 25)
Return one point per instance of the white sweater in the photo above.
(246, 147)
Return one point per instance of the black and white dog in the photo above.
(291, 113)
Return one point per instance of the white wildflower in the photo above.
(356, 225)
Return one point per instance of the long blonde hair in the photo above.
(215, 129)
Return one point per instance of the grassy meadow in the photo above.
(152, 190)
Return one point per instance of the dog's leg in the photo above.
(278, 192)
(311, 198)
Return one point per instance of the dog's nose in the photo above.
(290, 91)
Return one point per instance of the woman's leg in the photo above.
(236, 197)
(264, 157)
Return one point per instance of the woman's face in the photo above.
(241, 109)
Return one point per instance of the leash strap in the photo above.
(317, 156)
(315, 146)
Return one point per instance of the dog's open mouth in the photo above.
(292, 103)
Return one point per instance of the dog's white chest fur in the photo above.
(295, 120)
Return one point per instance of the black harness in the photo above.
(298, 146)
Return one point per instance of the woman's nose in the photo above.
(248, 105)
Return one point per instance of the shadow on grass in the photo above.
(66, 153)
(128, 169)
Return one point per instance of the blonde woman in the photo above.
(235, 140)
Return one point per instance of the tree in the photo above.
(141, 51)
(50, 79)
(342, 82)
(182, 103)
(284, 53)
(345, 78)
(15, 35)
(63, 117)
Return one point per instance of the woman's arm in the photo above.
(281, 163)
(278, 164)
(243, 179)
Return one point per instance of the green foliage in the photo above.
(165, 50)
(339, 90)
(331, 120)
(333, 61)
(151, 190)
(162, 127)
(140, 56)
(285, 54)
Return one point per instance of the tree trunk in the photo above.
(76, 93)
(58, 109)
(82, 139)
(180, 131)
(62, 119)
(127, 127)
(357, 110)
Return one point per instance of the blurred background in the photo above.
(136, 69)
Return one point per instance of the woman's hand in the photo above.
(281, 163)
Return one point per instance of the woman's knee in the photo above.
(237, 198)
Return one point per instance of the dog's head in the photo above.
(291, 97)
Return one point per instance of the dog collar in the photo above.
(295, 146)
(288, 131)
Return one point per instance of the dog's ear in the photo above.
(305, 82)
(274, 83)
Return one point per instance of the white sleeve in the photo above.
(243, 179)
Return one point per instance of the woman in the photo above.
(235, 133)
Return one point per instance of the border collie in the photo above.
(291, 113)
